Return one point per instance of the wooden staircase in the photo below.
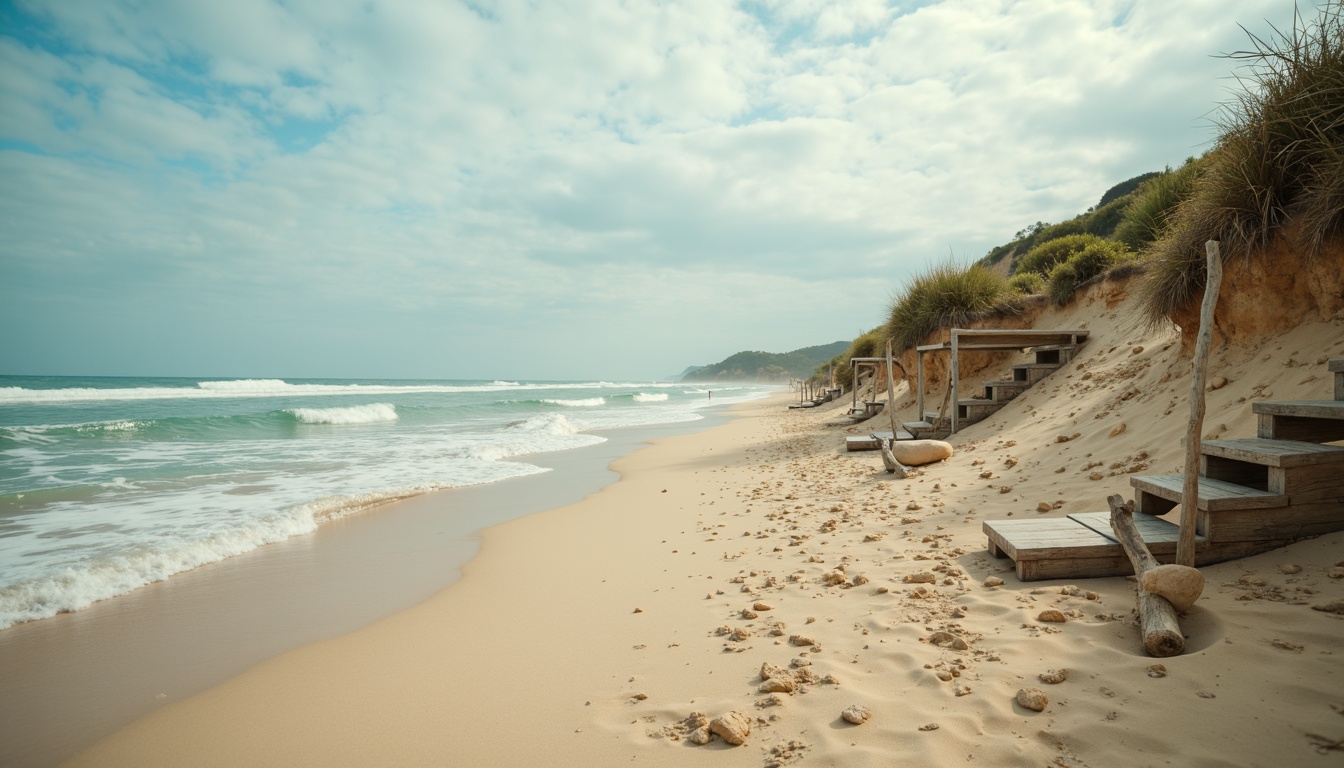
(1255, 494)
(996, 393)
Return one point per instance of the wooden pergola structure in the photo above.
(980, 339)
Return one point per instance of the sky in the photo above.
(562, 189)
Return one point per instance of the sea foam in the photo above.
(355, 414)
(590, 402)
(654, 398)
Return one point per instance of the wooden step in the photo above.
(1031, 373)
(1214, 495)
(1058, 354)
(1315, 421)
(976, 410)
(1274, 453)
(1074, 547)
(1004, 390)
(1336, 366)
(869, 442)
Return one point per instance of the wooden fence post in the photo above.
(1185, 545)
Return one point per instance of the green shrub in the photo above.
(947, 295)
(1278, 157)
(1125, 188)
(1043, 258)
(1027, 283)
(1145, 217)
(1096, 258)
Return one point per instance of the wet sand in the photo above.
(72, 679)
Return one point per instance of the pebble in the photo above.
(923, 577)
(762, 606)
(1052, 616)
(801, 640)
(856, 714)
(1033, 699)
(733, 727)
(944, 639)
(1054, 676)
(993, 581)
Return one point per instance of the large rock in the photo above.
(732, 727)
(1179, 584)
(912, 453)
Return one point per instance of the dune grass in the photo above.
(1280, 157)
(1027, 283)
(1145, 216)
(946, 295)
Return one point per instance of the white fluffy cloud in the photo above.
(567, 189)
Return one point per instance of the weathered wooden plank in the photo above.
(1335, 365)
(1309, 409)
(1154, 530)
(1307, 429)
(1214, 495)
(1311, 483)
(1274, 453)
(1294, 522)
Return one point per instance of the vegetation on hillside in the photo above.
(768, 366)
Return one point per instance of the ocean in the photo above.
(108, 484)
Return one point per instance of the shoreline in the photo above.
(74, 678)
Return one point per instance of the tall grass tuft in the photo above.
(1145, 218)
(945, 295)
(1278, 157)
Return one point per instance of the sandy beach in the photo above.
(590, 634)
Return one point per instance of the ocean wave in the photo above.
(79, 586)
(654, 398)
(356, 414)
(591, 402)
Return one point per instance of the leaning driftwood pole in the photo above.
(891, 394)
(1157, 618)
(1185, 545)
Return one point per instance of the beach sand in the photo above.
(588, 634)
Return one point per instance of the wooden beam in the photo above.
(1185, 548)
(954, 374)
(891, 401)
(1157, 618)
(919, 393)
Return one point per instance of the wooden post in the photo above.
(891, 396)
(953, 373)
(1157, 618)
(919, 392)
(1185, 545)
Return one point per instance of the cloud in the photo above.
(676, 180)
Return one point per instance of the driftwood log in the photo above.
(893, 466)
(1185, 545)
(1157, 618)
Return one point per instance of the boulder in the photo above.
(1179, 584)
(913, 453)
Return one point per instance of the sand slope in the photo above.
(587, 635)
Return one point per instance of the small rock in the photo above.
(739, 634)
(1179, 584)
(856, 714)
(1217, 382)
(1290, 570)
(1335, 573)
(639, 610)
(1136, 350)
(699, 735)
(769, 670)
(1337, 607)
(993, 581)
(1044, 506)
(641, 696)
(948, 640)
(784, 684)
(1157, 670)
(1052, 616)
(1054, 676)
(733, 727)
(1118, 429)
(929, 727)
(762, 606)
(833, 578)
(747, 613)
(1033, 699)
(923, 577)
(801, 640)
(859, 580)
